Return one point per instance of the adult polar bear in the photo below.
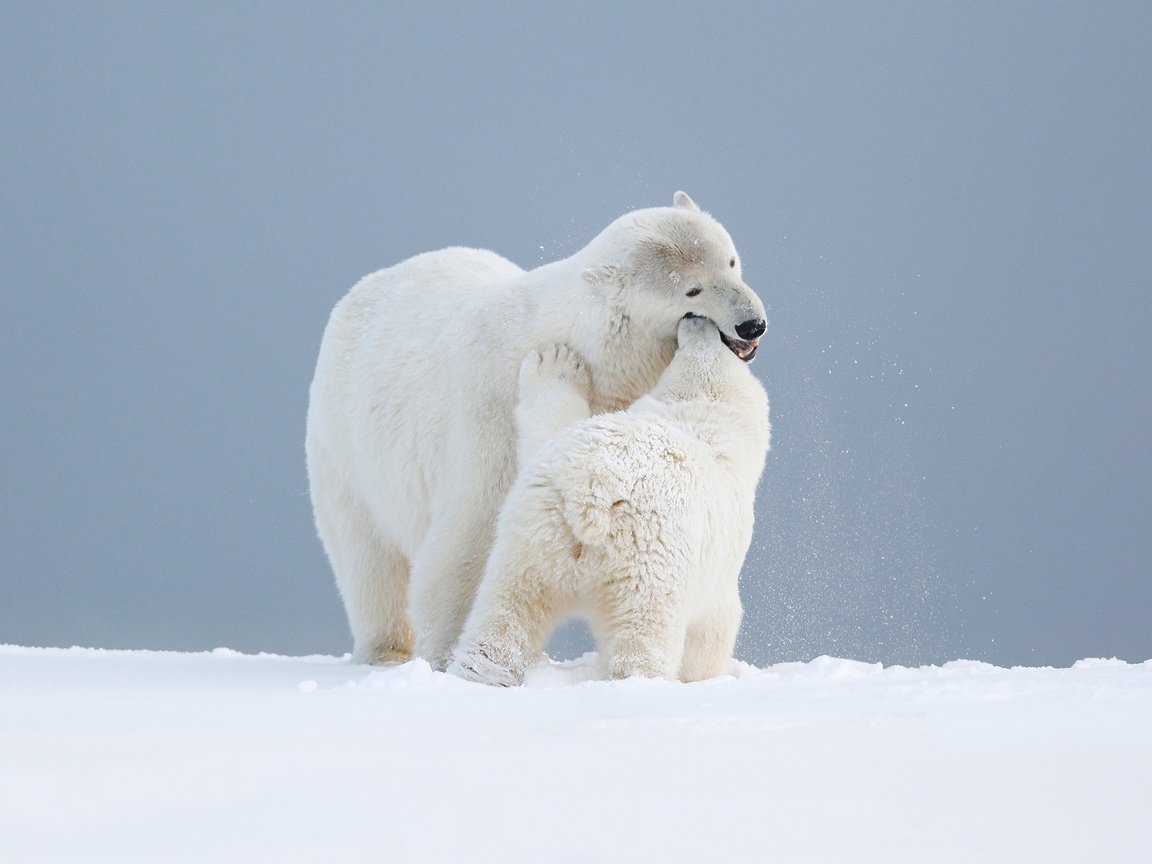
(410, 441)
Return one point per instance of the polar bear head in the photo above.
(667, 262)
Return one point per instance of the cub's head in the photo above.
(704, 367)
(674, 261)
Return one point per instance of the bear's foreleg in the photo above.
(553, 392)
(527, 586)
(446, 574)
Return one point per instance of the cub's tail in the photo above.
(589, 510)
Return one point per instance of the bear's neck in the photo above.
(627, 358)
(627, 363)
(736, 429)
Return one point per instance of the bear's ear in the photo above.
(681, 199)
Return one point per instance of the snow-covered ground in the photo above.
(124, 756)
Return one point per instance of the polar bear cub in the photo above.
(638, 520)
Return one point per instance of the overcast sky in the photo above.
(945, 207)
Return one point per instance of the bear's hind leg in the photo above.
(710, 641)
(372, 576)
(381, 631)
(639, 615)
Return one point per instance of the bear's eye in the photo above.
(694, 291)
(732, 263)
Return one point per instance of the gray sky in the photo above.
(945, 207)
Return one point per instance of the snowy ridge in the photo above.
(220, 756)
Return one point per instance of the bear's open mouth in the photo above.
(744, 350)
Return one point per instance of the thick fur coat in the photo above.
(410, 442)
(638, 520)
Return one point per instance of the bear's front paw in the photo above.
(554, 365)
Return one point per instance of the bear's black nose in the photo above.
(753, 329)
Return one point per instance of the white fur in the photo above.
(639, 520)
(410, 439)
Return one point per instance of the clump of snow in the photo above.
(120, 756)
